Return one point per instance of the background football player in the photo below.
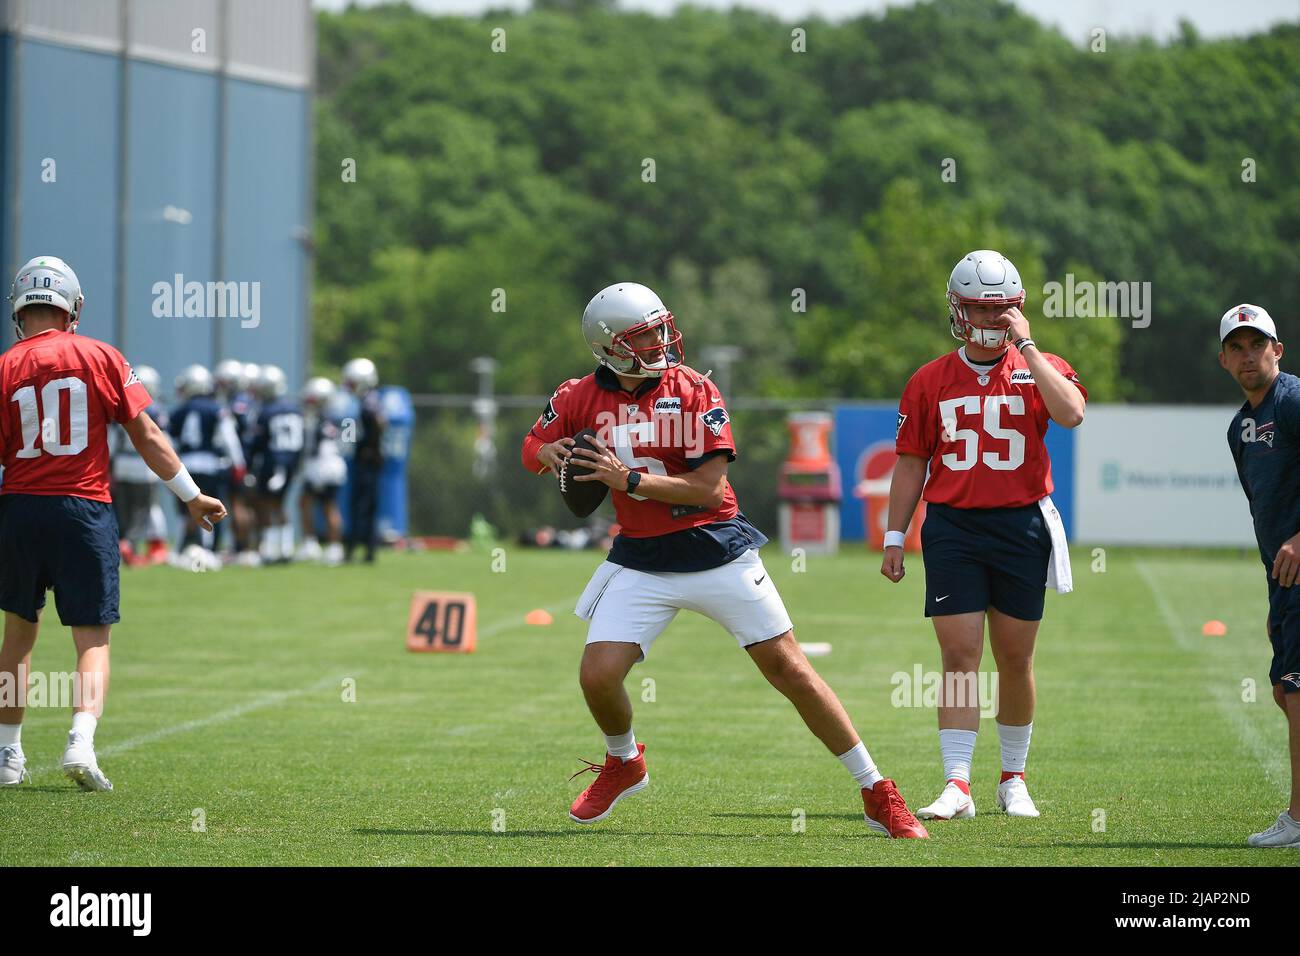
(57, 527)
(1264, 438)
(139, 517)
(991, 540)
(684, 543)
(204, 435)
(324, 471)
(277, 446)
(361, 378)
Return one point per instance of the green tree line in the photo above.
(800, 190)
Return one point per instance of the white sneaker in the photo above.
(951, 805)
(1013, 797)
(309, 550)
(80, 765)
(13, 767)
(333, 555)
(1285, 832)
(248, 559)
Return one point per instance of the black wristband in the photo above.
(633, 479)
(1026, 341)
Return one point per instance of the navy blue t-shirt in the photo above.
(1268, 464)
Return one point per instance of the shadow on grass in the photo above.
(785, 816)
(564, 834)
(1138, 846)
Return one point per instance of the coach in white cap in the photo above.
(1265, 442)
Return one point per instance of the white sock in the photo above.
(84, 723)
(859, 763)
(286, 539)
(958, 748)
(11, 735)
(1015, 746)
(622, 746)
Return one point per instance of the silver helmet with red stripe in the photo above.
(984, 277)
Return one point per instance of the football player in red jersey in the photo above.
(992, 540)
(664, 443)
(57, 527)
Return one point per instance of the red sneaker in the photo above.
(886, 811)
(613, 782)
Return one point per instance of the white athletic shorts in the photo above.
(634, 607)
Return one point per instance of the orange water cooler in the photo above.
(809, 487)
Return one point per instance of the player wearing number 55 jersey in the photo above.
(663, 447)
(57, 526)
(992, 540)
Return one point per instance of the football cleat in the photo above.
(952, 804)
(333, 556)
(1013, 797)
(886, 811)
(1285, 832)
(80, 765)
(614, 781)
(13, 767)
(309, 550)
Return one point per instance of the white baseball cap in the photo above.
(1246, 316)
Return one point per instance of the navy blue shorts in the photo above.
(60, 542)
(1284, 634)
(977, 558)
(274, 478)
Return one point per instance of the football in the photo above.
(582, 497)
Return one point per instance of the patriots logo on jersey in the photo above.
(715, 418)
(131, 378)
(1293, 679)
(899, 430)
(1265, 434)
(549, 414)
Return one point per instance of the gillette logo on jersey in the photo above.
(981, 429)
(688, 424)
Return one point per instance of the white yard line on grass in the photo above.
(1224, 694)
(270, 700)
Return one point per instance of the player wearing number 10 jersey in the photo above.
(663, 446)
(992, 540)
(59, 391)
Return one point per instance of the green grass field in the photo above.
(227, 703)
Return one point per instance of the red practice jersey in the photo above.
(662, 428)
(984, 442)
(60, 392)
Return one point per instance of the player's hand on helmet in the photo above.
(206, 511)
(606, 466)
(557, 451)
(1286, 566)
(1015, 320)
(892, 566)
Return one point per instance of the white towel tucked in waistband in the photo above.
(1058, 568)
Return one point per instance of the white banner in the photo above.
(1158, 474)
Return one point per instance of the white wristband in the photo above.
(894, 539)
(182, 485)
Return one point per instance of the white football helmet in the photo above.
(360, 375)
(317, 392)
(987, 277)
(229, 374)
(252, 372)
(149, 378)
(47, 280)
(194, 380)
(621, 311)
(272, 383)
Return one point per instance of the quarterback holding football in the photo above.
(662, 443)
(992, 540)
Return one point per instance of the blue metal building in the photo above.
(163, 146)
